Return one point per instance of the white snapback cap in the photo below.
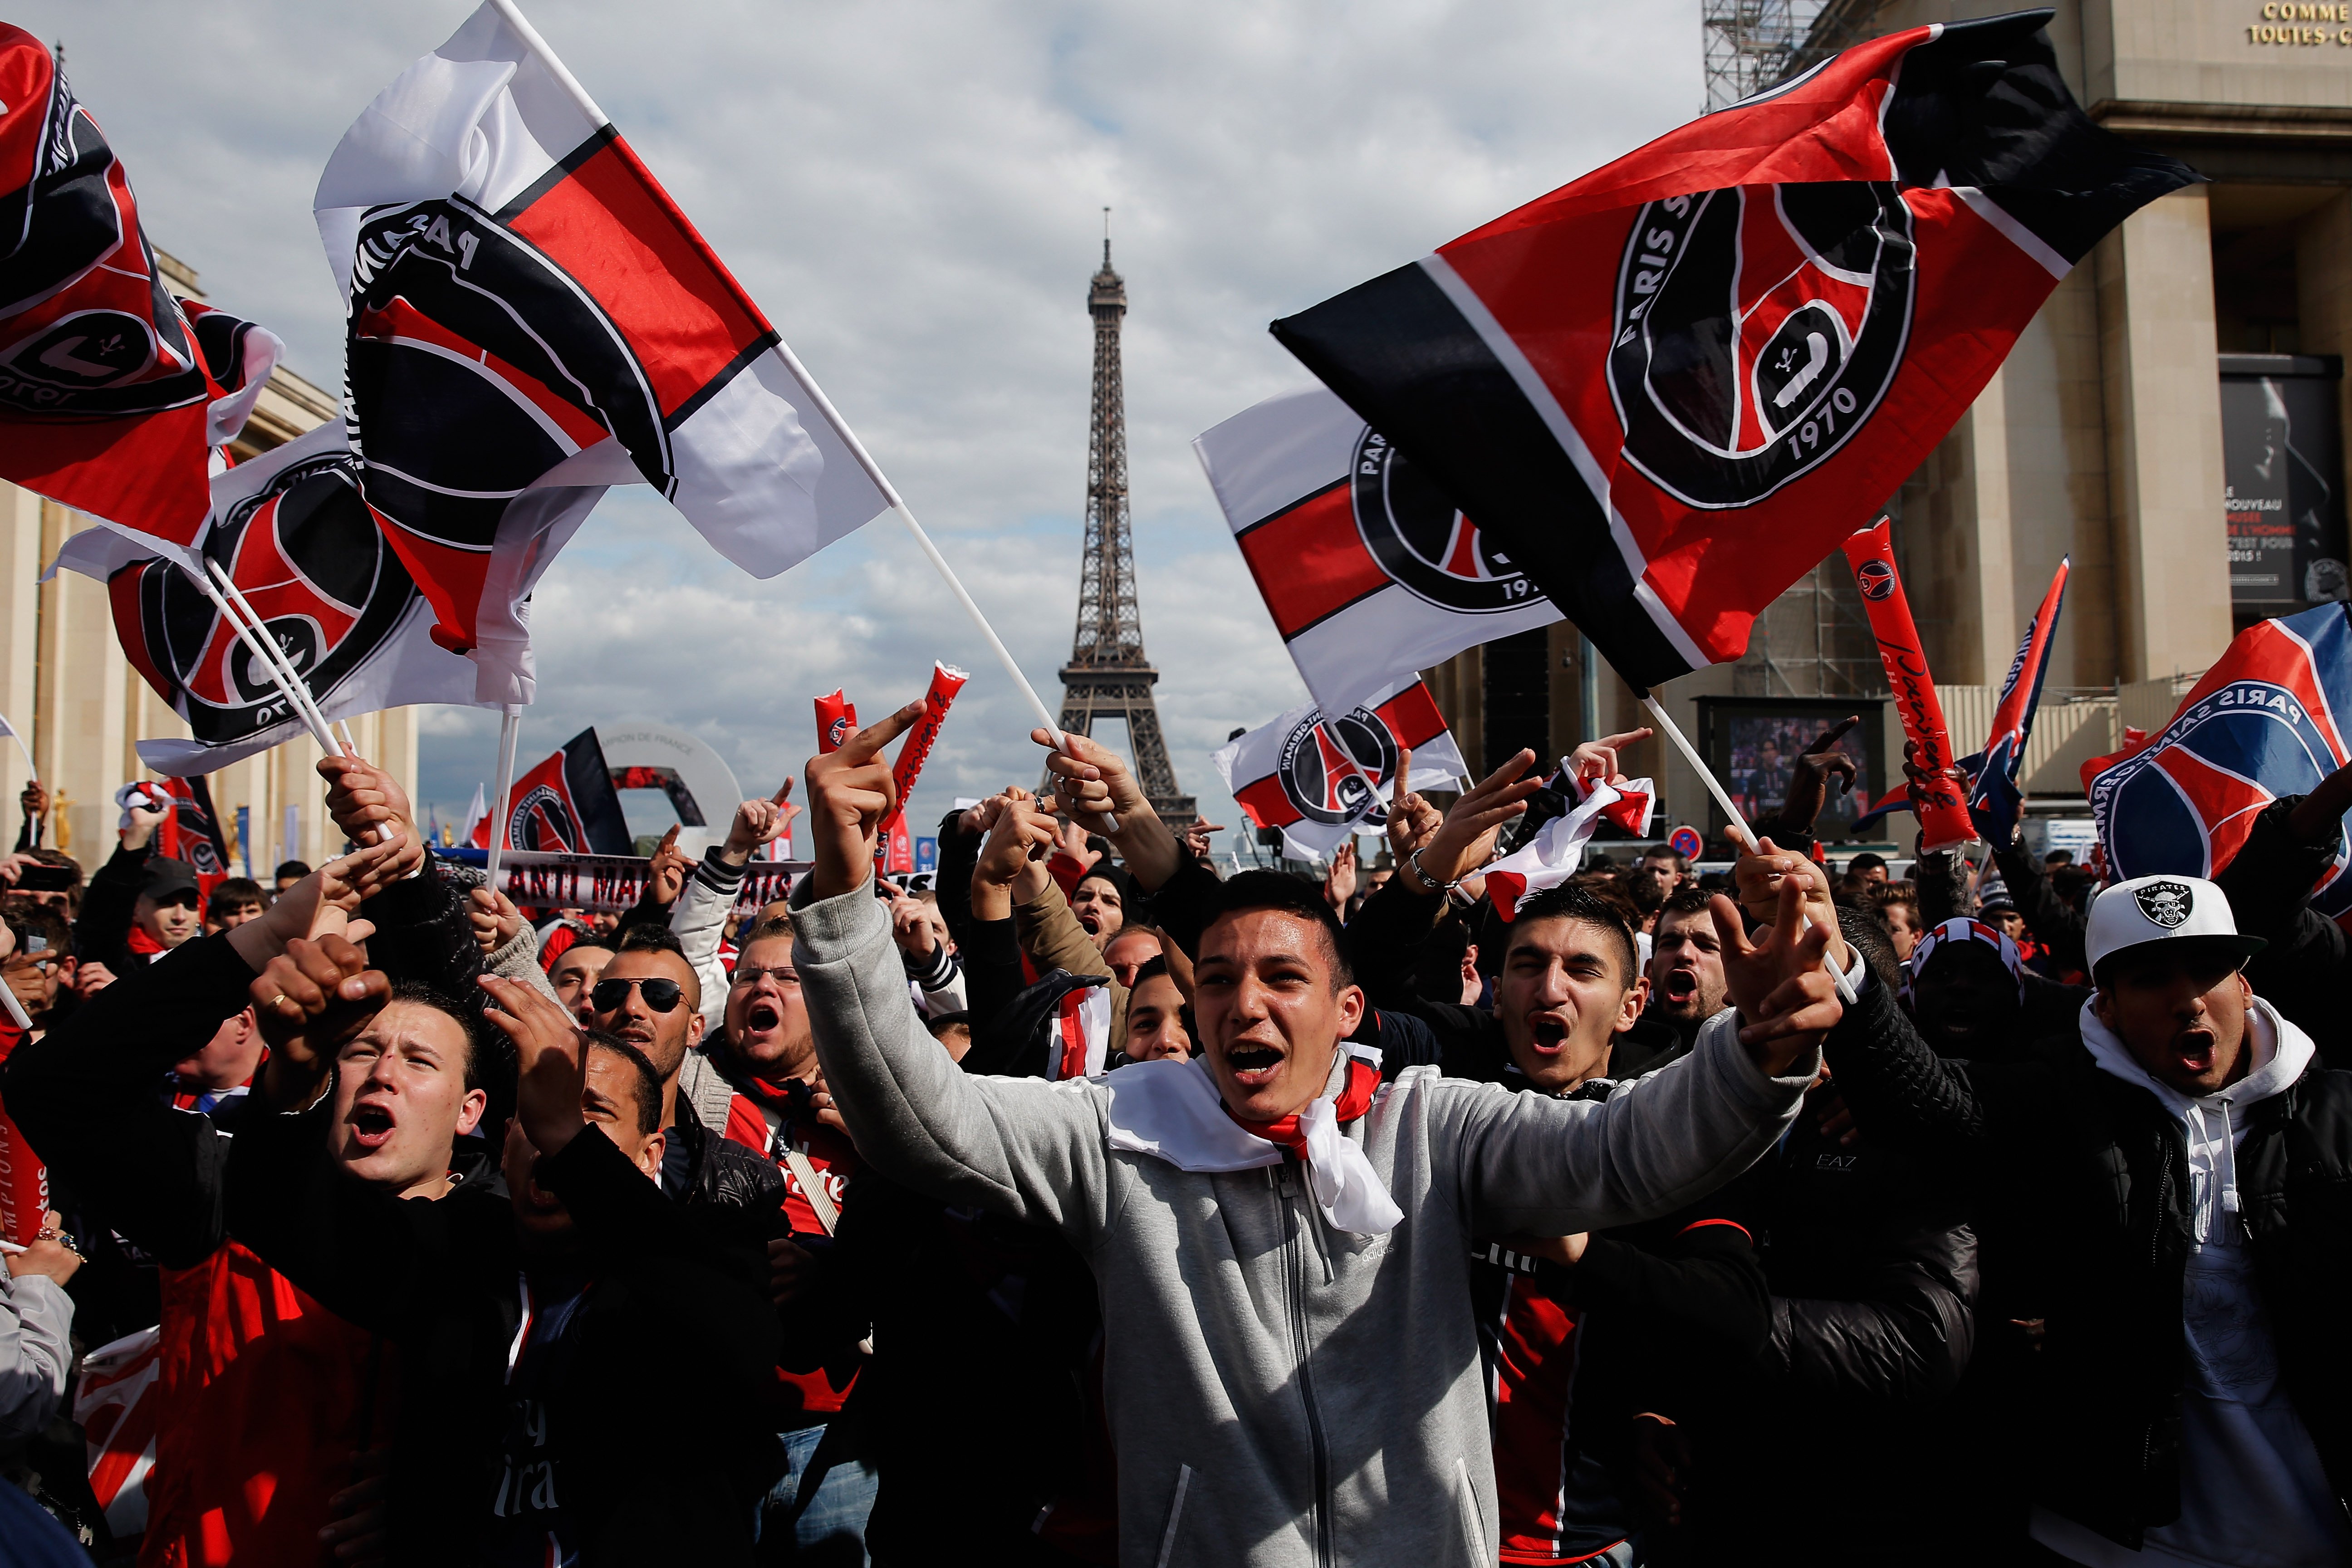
(2164, 908)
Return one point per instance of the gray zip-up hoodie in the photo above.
(1280, 1392)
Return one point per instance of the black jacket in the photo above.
(2105, 1169)
(2269, 883)
(102, 929)
(442, 1283)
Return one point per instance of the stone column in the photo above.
(2164, 439)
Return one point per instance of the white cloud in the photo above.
(913, 193)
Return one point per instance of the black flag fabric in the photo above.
(1669, 389)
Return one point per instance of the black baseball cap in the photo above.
(167, 878)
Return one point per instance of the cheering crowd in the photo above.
(1089, 1207)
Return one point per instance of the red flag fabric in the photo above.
(1294, 773)
(115, 1404)
(567, 803)
(1556, 850)
(1995, 799)
(112, 392)
(1370, 574)
(531, 314)
(24, 1178)
(1942, 811)
(1667, 390)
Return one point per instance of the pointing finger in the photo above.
(868, 743)
(1399, 786)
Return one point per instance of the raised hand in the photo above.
(1760, 876)
(1340, 882)
(1809, 779)
(550, 1060)
(1413, 821)
(1787, 1001)
(363, 800)
(849, 793)
(1465, 839)
(1200, 839)
(494, 918)
(1096, 785)
(1021, 834)
(50, 1255)
(1597, 760)
(666, 874)
(757, 823)
(308, 1002)
(1070, 839)
(143, 821)
(321, 903)
(35, 799)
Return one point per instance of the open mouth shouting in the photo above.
(2193, 1050)
(1547, 1032)
(1254, 1065)
(1681, 985)
(372, 1124)
(762, 1017)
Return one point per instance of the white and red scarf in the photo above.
(1171, 1111)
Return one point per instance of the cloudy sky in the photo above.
(913, 192)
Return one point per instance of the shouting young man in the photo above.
(1282, 1233)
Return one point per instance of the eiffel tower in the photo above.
(1107, 675)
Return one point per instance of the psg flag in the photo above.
(193, 831)
(1994, 797)
(112, 392)
(1370, 574)
(1668, 390)
(292, 532)
(530, 318)
(2268, 720)
(568, 804)
(1295, 772)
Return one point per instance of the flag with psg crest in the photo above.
(1320, 779)
(113, 392)
(1667, 390)
(530, 318)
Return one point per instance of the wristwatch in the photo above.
(1433, 888)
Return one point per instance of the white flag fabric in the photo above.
(1294, 773)
(1371, 576)
(1557, 851)
(290, 530)
(529, 310)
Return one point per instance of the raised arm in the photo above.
(1027, 1150)
(1553, 1167)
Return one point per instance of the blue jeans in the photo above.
(816, 1513)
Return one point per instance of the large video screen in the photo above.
(1754, 743)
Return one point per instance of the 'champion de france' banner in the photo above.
(1667, 390)
(1370, 574)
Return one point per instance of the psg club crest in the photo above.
(1875, 579)
(1757, 329)
(1316, 777)
(1422, 542)
(2166, 904)
(542, 820)
(2188, 801)
(310, 557)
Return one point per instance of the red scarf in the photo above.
(1355, 1098)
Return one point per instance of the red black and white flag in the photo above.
(1667, 390)
(567, 805)
(193, 832)
(1320, 779)
(113, 392)
(293, 532)
(529, 313)
(1371, 575)
(1555, 851)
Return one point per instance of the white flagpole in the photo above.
(31, 768)
(509, 732)
(16, 1009)
(571, 85)
(296, 690)
(1739, 827)
(269, 666)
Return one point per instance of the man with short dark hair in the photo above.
(1263, 1218)
(2191, 1396)
(288, 872)
(233, 901)
(1652, 879)
(40, 968)
(1155, 1017)
(574, 976)
(1686, 980)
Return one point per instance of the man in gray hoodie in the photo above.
(1281, 1233)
